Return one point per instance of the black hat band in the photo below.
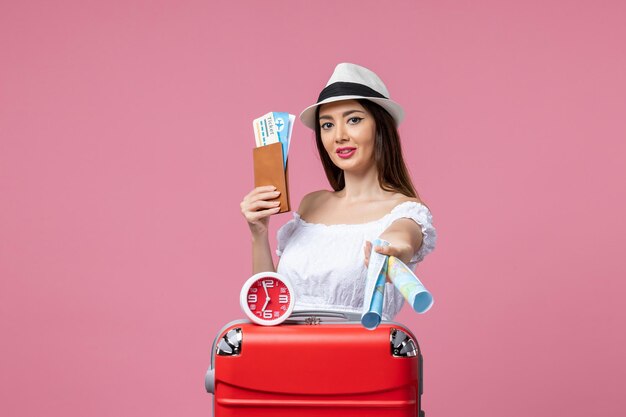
(341, 88)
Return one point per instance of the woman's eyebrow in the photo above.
(346, 113)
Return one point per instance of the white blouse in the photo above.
(325, 263)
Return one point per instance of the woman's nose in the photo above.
(341, 134)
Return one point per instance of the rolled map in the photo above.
(411, 288)
(380, 268)
(374, 287)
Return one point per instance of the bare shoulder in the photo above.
(407, 227)
(401, 198)
(406, 224)
(312, 201)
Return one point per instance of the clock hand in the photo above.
(267, 296)
(265, 288)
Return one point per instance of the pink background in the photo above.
(125, 149)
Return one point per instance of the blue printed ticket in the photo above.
(265, 130)
(274, 127)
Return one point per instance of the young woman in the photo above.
(324, 249)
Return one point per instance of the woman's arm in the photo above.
(256, 208)
(404, 237)
(262, 254)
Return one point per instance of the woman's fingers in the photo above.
(267, 191)
(367, 249)
(261, 214)
(259, 205)
(260, 209)
(386, 250)
(382, 249)
(258, 199)
(256, 207)
(402, 252)
(266, 195)
(256, 195)
(263, 188)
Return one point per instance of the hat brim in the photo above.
(394, 109)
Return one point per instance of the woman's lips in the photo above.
(345, 153)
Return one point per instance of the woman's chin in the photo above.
(353, 167)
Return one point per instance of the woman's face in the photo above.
(348, 130)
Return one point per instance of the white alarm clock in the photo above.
(267, 298)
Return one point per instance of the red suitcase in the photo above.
(330, 369)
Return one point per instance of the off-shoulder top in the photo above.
(325, 263)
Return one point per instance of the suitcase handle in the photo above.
(318, 316)
(209, 381)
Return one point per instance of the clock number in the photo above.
(267, 314)
(252, 298)
(283, 298)
(269, 283)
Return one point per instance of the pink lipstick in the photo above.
(346, 152)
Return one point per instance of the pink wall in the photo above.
(125, 148)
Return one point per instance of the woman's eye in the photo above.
(326, 126)
(354, 120)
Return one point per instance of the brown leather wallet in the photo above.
(268, 170)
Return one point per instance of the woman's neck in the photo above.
(361, 187)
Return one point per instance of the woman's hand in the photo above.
(400, 252)
(385, 250)
(256, 208)
(404, 237)
(398, 247)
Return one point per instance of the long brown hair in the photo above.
(392, 172)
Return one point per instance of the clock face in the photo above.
(267, 298)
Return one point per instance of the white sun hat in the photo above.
(351, 82)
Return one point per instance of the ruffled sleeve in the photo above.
(285, 232)
(421, 215)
